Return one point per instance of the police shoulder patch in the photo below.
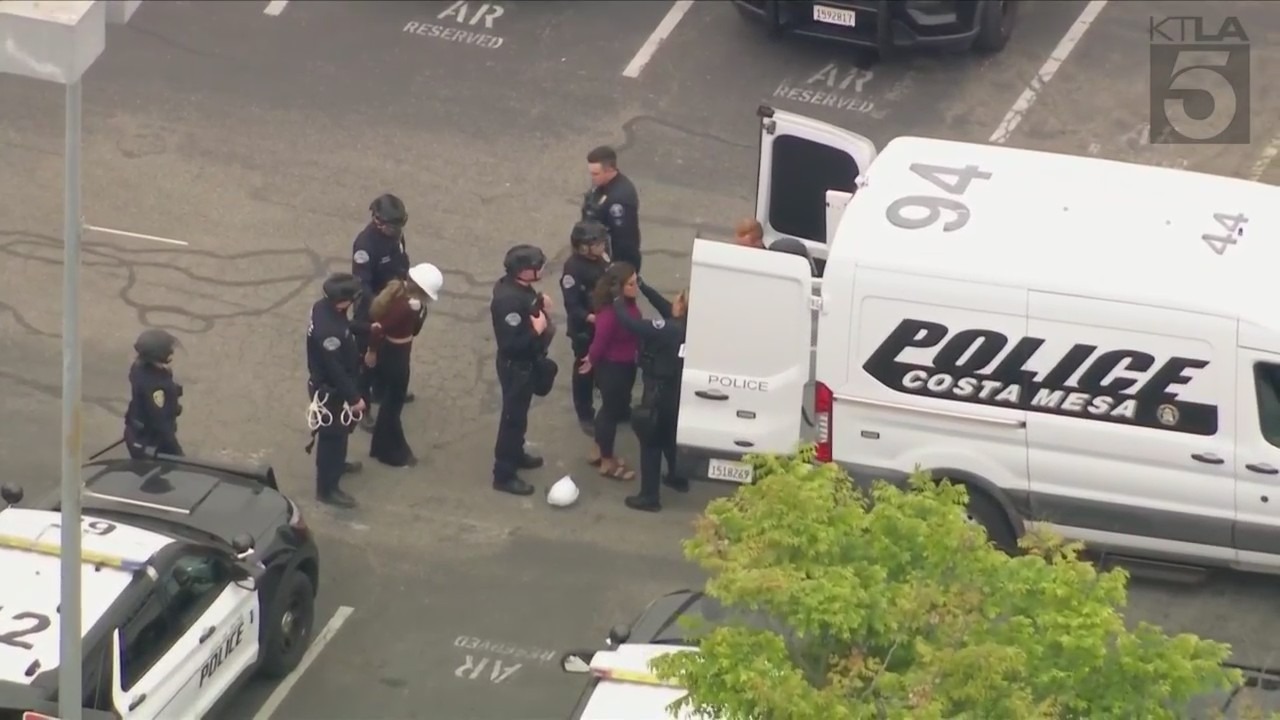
(512, 319)
(361, 257)
(332, 343)
(157, 397)
(567, 281)
(617, 210)
(659, 324)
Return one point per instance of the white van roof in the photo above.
(1075, 225)
(29, 566)
(628, 690)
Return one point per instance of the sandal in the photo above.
(617, 471)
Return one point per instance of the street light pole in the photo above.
(70, 674)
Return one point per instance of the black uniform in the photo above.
(377, 258)
(617, 206)
(581, 273)
(333, 368)
(656, 417)
(151, 422)
(522, 355)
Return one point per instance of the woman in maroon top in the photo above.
(398, 313)
(613, 359)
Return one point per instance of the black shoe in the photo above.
(588, 426)
(640, 502)
(530, 462)
(513, 486)
(338, 499)
(410, 397)
(352, 468)
(678, 484)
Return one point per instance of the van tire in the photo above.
(996, 21)
(985, 511)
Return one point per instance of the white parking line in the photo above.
(282, 690)
(1047, 71)
(137, 236)
(660, 34)
(275, 7)
(1268, 156)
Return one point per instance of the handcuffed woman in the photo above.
(399, 312)
(613, 359)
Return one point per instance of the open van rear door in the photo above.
(801, 159)
(746, 358)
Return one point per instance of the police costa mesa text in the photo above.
(981, 366)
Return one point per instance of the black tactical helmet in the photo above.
(524, 257)
(588, 232)
(155, 346)
(389, 210)
(340, 287)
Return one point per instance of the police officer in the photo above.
(378, 256)
(523, 331)
(656, 417)
(333, 366)
(151, 421)
(582, 271)
(614, 202)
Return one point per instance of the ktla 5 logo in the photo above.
(1200, 87)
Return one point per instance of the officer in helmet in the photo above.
(333, 367)
(523, 332)
(151, 422)
(378, 256)
(582, 271)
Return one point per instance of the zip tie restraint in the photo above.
(319, 416)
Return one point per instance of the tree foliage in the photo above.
(897, 607)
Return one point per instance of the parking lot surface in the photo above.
(259, 139)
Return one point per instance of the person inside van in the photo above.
(749, 233)
(612, 357)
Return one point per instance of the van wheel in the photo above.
(288, 631)
(988, 513)
(995, 25)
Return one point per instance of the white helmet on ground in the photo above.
(429, 278)
(563, 493)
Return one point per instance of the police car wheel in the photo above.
(288, 633)
(988, 513)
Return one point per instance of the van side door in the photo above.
(1257, 530)
(801, 160)
(746, 358)
(1130, 446)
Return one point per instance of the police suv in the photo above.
(621, 685)
(1084, 343)
(195, 575)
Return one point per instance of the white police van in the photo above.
(1086, 343)
(194, 577)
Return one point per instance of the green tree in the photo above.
(897, 607)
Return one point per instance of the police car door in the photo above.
(746, 358)
(802, 161)
(197, 634)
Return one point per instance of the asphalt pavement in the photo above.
(259, 140)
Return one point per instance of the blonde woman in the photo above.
(399, 312)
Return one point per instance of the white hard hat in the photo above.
(429, 278)
(563, 493)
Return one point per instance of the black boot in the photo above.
(338, 499)
(640, 502)
(513, 486)
(530, 462)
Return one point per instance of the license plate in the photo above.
(729, 470)
(833, 16)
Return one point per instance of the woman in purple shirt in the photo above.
(613, 358)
